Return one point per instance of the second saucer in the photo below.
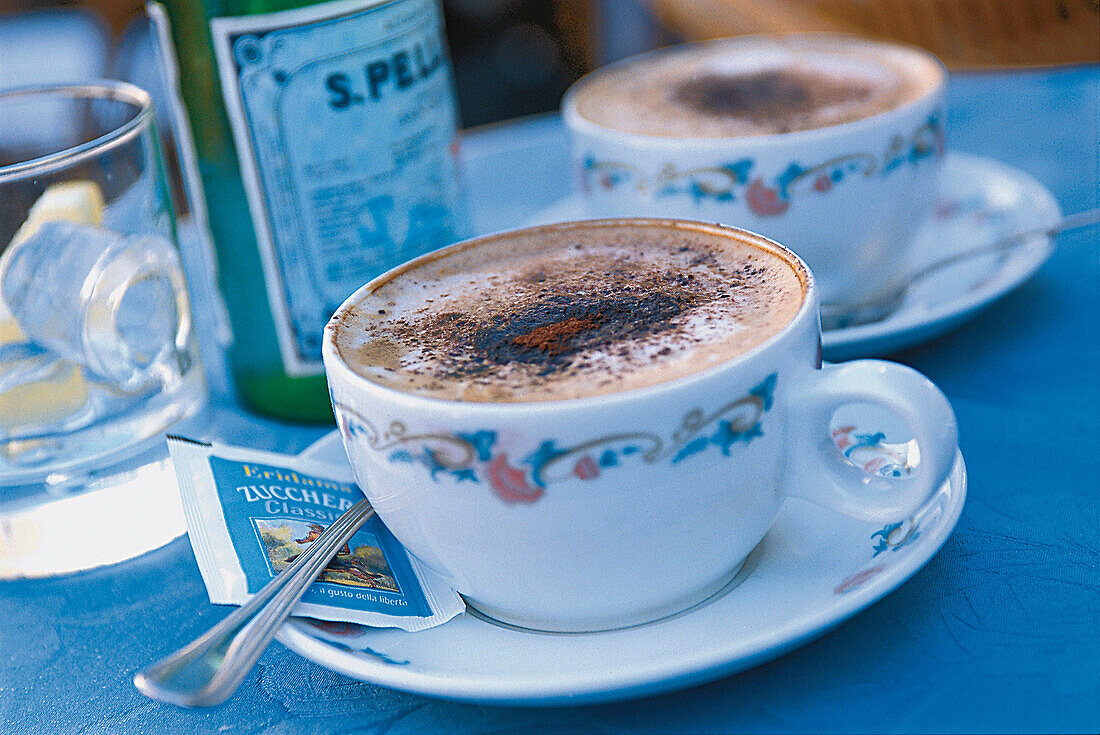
(980, 200)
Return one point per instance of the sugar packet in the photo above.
(251, 513)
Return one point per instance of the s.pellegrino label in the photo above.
(344, 121)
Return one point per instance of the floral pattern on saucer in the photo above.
(342, 634)
(891, 537)
(873, 455)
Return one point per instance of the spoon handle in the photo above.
(1074, 221)
(209, 669)
(885, 302)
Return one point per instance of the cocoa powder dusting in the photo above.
(769, 96)
(553, 328)
(554, 338)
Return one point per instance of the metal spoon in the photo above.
(209, 669)
(887, 301)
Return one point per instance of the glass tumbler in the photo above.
(97, 349)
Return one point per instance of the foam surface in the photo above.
(553, 314)
(754, 86)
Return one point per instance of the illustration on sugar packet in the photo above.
(251, 513)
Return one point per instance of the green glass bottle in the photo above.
(324, 135)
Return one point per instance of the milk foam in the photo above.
(640, 96)
(610, 308)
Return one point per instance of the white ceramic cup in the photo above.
(848, 198)
(616, 509)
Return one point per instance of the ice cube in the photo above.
(115, 304)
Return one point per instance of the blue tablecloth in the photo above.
(998, 633)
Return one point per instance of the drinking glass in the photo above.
(97, 351)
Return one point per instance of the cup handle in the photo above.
(823, 475)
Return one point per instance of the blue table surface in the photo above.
(999, 632)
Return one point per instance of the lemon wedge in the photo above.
(79, 202)
(55, 392)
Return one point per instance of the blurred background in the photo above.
(517, 57)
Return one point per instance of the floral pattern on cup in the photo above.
(475, 457)
(767, 198)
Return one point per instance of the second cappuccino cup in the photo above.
(831, 145)
(591, 425)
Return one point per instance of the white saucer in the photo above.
(980, 201)
(813, 570)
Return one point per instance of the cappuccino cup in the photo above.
(829, 144)
(590, 425)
